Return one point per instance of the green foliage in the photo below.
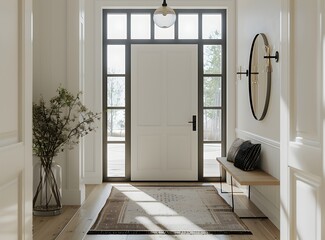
(60, 123)
(213, 56)
(212, 91)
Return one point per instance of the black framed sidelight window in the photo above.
(123, 28)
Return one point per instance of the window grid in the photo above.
(127, 43)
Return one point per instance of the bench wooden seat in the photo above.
(255, 177)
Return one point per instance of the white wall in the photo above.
(56, 62)
(50, 47)
(260, 16)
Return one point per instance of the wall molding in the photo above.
(308, 142)
(264, 140)
(264, 199)
(73, 196)
(8, 138)
(92, 179)
(8, 184)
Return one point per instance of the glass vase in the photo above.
(47, 183)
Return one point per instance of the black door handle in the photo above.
(193, 122)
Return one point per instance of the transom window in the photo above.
(121, 29)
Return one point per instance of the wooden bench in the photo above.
(255, 177)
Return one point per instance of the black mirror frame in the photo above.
(268, 90)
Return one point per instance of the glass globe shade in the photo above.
(164, 17)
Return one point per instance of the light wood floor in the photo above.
(83, 218)
(48, 228)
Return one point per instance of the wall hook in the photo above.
(246, 73)
(276, 56)
(241, 73)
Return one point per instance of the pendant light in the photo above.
(164, 16)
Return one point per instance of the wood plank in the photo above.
(79, 225)
(49, 227)
(262, 229)
(255, 177)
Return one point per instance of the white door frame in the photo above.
(302, 170)
(16, 139)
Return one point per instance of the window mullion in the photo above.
(204, 144)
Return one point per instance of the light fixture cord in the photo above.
(164, 4)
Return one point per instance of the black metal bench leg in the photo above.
(232, 195)
(249, 191)
(220, 181)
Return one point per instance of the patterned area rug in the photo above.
(166, 210)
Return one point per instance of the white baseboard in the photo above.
(93, 180)
(73, 196)
(266, 206)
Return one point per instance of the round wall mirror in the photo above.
(259, 76)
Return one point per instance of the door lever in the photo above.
(193, 123)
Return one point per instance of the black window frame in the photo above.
(128, 42)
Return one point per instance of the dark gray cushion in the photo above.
(233, 150)
(248, 156)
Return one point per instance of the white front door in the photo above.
(302, 120)
(15, 120)
(164, 99)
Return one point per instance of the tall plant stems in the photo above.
(57, 124)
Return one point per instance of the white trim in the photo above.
(8, 138)
(93, 179)
(313, 181)
(26, 175)
(73, 184)
(285, 66)
(264, 140)
(231, 73)
(18, 146)
(73, 196)
(266, 206)
(308, 142)
(189, 4)
(9, 183)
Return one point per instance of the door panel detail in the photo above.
(164, 97)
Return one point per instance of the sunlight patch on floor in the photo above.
(159, 212)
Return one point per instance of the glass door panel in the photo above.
(188, 26)
(115, 160)
(116, 26)
(211, 26)
(210, 153)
